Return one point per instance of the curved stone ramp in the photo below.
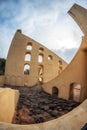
(74, 120)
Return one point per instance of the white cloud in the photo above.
(66, 54)
(58, 33)
(49, 25)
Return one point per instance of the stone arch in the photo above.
(55, 91)
(40, 58)
(29, 46)
(26, 69)
(50, 57)
(75, 91)
(27, 57)
(41, 49)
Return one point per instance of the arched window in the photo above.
(28, 57)
(41, 49)
(26, 69)
(55, 91)
(50, 57)
(40, 58)
(75, 90)
(29, 46)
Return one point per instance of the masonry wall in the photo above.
(8, 101)
(79, 14)
(75, 72)
(2, 80)
(44, 65)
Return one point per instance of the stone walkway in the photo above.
(36, 106)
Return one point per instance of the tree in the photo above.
(2, 66)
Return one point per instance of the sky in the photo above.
(46, 21)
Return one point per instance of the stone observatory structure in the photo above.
(74, 77)
(71, 81)
(29, 62)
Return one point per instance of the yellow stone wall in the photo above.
(76, 71)
(52, 65)
(2, 80)
(8, 102)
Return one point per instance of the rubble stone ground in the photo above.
(37, 106)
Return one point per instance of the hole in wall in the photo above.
(29, 46)
(55, 91)
(27, 57)
(41, 49)
(75, 90)
(50, 57)
(26, 69)
(40, 58)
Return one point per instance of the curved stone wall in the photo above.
(76, 71)
(28, 62)
(74, 75)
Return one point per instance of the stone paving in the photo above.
(36, 106)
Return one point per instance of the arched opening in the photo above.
(40, 73)
(75, 90)
(29, 46)
(60, 62)
(41, 49)
(40, 58)
(26, 69)
(27, 57)
(55, 91)
(50, 57)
